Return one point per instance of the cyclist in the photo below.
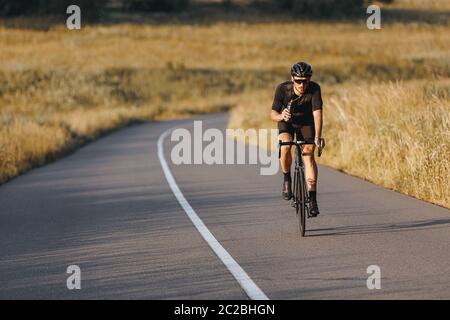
(305, 120)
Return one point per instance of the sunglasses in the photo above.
(301, 81)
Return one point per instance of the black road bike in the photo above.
(300, 195)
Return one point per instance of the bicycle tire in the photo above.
(294, 192)
(301, 204)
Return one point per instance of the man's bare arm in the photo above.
(318, 123)
(276, 116)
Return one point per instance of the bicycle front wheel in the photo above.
(301, 203)
(294, 192)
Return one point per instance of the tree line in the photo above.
(312, 8)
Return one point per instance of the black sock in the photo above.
(313, 195)
(287, 176)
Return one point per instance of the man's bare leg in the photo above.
(286, 162)
(311, 174)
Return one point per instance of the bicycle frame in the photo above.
(300, 197)
(299, 171)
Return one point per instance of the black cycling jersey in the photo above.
(302, 109)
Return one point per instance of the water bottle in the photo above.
(289, 107)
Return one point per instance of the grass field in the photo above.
(394, 134)
(60, 88)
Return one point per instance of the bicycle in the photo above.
(300, 195)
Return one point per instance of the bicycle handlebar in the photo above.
(293, 143)
(298, 144)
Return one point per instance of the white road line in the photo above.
(250, 288)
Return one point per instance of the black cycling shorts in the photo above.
(304, 132)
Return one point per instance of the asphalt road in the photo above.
(108, 208)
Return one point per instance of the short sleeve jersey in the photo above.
(302, 108)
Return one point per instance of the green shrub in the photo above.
(323, 8)
(17, 7)
(89, 8)
(156, 5)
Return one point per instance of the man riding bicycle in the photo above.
(297, 108)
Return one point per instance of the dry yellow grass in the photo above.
(60, 88)
(394, 134)
(25, 144)
(221, 46)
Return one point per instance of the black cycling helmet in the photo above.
(301, 69)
